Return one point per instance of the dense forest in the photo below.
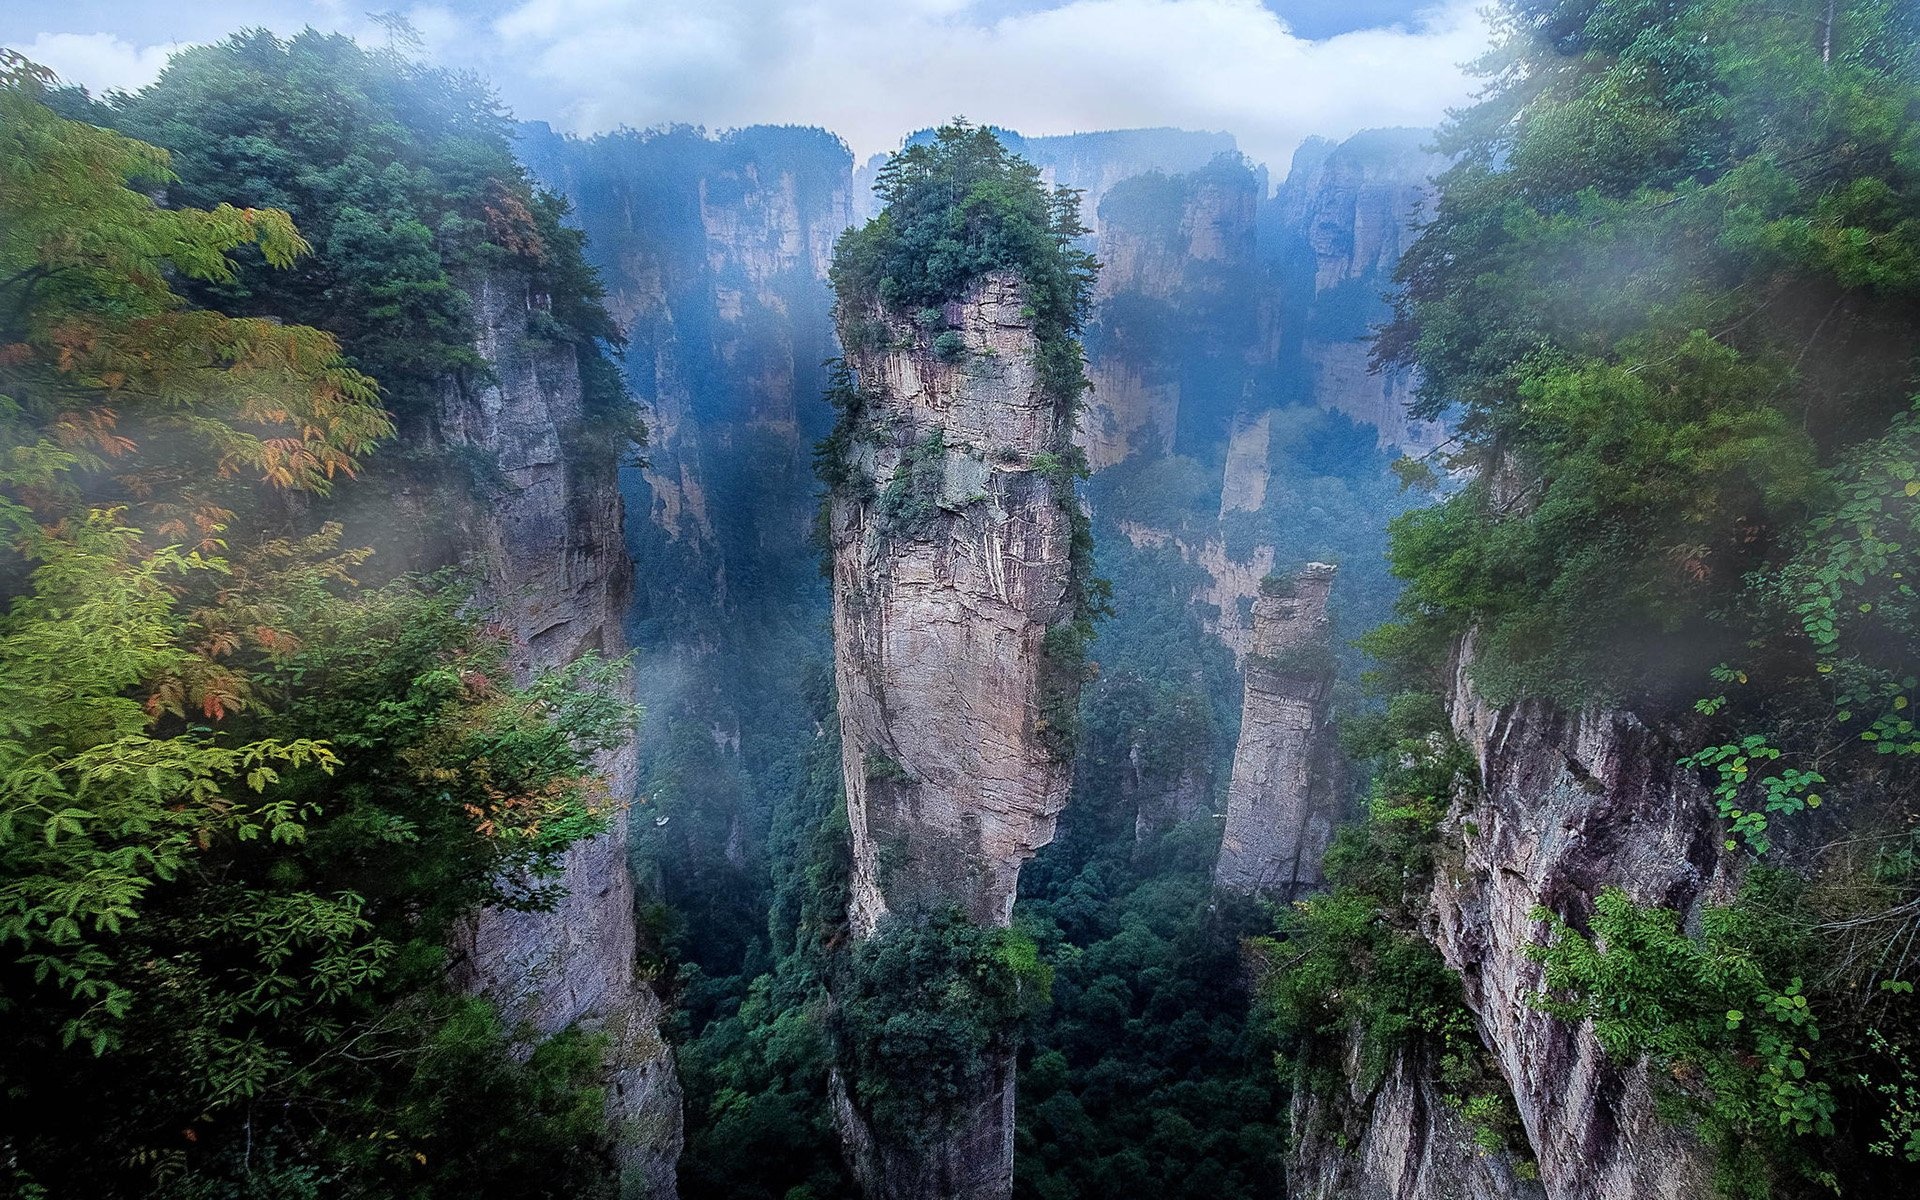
(256, 775)
(351, 432)
(1667, 301)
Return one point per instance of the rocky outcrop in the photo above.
(1398, 1139)
(945, 584)
(948, 574)
(1283, 799)
(1176, 317)
(557, 577)
(1567, 804)
(1334, 232)
(1571, 803)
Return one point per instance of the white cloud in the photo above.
(873, 69)
(99, 62)
(870, 70)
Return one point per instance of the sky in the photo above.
(1270, 73)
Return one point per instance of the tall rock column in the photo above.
(556, 574)
(1283, 800)
(953, 580)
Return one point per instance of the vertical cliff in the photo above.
(1233, 415)
(715, 252)
(1562, 806)
(1172, 348)
(946, 582)
(1400, 1138)
(1283, 799)
(953, 582)
(1333, 234)
(1572, 803)
(557, 577)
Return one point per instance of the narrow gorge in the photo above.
(1364, 649)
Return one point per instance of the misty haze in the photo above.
(960, 600)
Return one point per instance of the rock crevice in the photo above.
(556, 574)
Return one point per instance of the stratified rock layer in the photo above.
(1572, 803)
(557, 576)
(1398, 1139)
(1282, 802)
(947, 577)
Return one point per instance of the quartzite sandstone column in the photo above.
(948, 572)
(1283, 802)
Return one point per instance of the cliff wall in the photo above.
(1572, 803)
(940, 615)
(1175, 331)
(1284, 797)
(947, 578)
(1567, 804)
(1399, 1139)
(714, 252)
(1334, 233)
(557, 577)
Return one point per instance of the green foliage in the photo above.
(1348, 978)
(926, 1005)
(1713, 1012)
(1784, 792)
(960, 207)
(1833, 685)
(1064, 668)
(1145, 1077)
(243, 802)
(1352, 960)
(403, 177)
(911, 499)
(759, 1046)
(1312, 660)
(833, 456)
(214, 955)
(1673, 269)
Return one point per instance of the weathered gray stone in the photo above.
(1399, 1139)
(939, 623)
(939, 628)
(1571, 803)
(1283, 800)
(556, 574)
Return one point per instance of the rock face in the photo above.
(557, 576)
(1176, 327)
(1568, 804)
(714, 252)
(940, 616)
(1572, 803)
(946, 582)
(1283, 800)
(1396, 1140)
(1335, 231)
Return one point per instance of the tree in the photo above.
(241, 800)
